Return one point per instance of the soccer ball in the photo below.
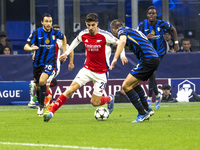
(101, 113)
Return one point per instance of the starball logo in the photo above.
(10, 93)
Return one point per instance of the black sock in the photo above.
(139, 90)
(155, 87)
(42, 95)
(151, 87)
(134, 98)
(38, 95)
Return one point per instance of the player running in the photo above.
(97, 43)
(154, 30)
(147, 64)
(51, 82)
(44, 41)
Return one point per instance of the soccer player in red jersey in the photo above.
(97, 44)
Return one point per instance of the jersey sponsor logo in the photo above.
(47, 46)
(92, 47)
(86, 40)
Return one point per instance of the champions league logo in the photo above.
(185, 90)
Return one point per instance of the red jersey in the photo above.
(98, 49)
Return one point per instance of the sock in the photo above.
(151, 88)
(139, 90)
(48, 91)
(105, 99)
(59, 102)
(38, 95)
(42, 95)
(157, 97)
(134, 98)
(34, 98)
(155, 87)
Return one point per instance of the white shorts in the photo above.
(99, 80)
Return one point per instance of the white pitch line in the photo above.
(60, 146)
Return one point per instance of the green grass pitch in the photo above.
(175, 126)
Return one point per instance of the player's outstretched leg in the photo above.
(59, 102)
(110, 104)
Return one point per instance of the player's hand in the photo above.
(33, 57)
(176, 48)
(70, 66)
(113, 64)
(34, 48)
(150, 36)
(63, 57)
(124, 60)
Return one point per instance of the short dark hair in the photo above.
(6, 47)
(151, 7)
(116, 24)
(3, 34)
(91, 17)
(166, 87)
(185, 40)
(45, 15)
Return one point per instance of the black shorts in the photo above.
(37, 71)
(145, 68)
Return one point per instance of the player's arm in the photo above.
(175, 37)
(30, 41)
(28, 47)
(120, 47)
(115, 41)
(73, 45)
(71, 61)
(64, 43)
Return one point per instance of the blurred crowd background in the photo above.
(20, 17)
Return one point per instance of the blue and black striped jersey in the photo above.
(157, 30)
(46, 41)
(138, 43)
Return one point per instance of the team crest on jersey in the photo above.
(47, 41)
(153, 32)
(158, 28)
(53, 37)
(99, 41)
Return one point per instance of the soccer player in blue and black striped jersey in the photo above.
(147, 64)
(43, 42)
(154, 30)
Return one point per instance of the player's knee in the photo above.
(125, 87)
(42, 82)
